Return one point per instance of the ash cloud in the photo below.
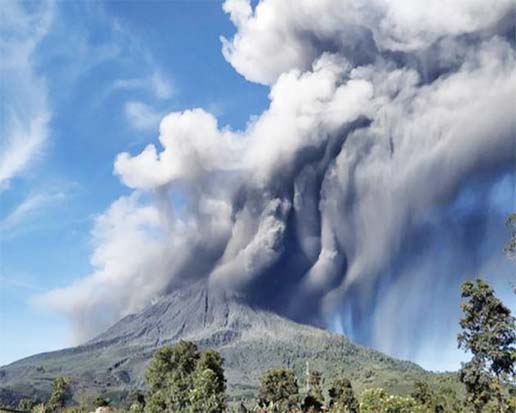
(376, 181)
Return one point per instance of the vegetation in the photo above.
(136, 402)
(510, 247)
(279, 390)
(26, 404)
(181, 378)
(489, 333)
(101, 402)
(60, 394)
(342, 397)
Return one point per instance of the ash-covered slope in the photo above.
(251, 341)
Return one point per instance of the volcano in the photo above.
(251, 340)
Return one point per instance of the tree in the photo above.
(205, 396)
(213, 361)
(342, 397)
(26, 404)
(41, 408)
(446, 400)
(311, 404)
(101, 402)
(169, 378)
(209, 385)
(279, 388)
(182, 379)
(510, 247)
(422, 393)
(136, 401)
(489, 333)
(378, 401)
(314, 384)
(60, 394)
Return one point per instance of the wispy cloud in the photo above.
(25, 111)
(142, 116)
(30, 207)
(17, 283)
(160, 86)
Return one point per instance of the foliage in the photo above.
(101, 402)
(169, 378)
(60, 394)
(315, 382)
(213, 361)
(378, 401)
(206, 395)
(489, 333)
(311, 404)
(446, 400)
(26, 404)
(182, 379)
(77, 409)
(342, 397)
(510, 247)
(279, 388)
(136, 402)
(422, 393)
(41, 408)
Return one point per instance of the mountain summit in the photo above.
(251, 341)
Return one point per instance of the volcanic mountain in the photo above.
(251, 341)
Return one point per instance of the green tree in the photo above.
(446, 400)
(206, 395)
(182, 379)
(279, 388)
(169, 378)
(212, 360)
(311, 404)
(208, 391)
(26, 404)
(489, 333)
(315, 383)
(136, 401)
(41, 408)
(510, 247)
(101, 402)
(342, 397)
(373, 400)
(422, 393)
(60, 394)
(378, 401)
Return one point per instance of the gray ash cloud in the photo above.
(375, 182)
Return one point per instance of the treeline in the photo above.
(183, 379)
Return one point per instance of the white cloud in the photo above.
(17, 283)
(347, 26)
(25, 113)
(133, 246)
(193, 147)
(29, 207)
(142, 116)
(160, 86)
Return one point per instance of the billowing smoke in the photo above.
(375, 182)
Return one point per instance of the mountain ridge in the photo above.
(251, 340)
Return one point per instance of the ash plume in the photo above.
(377, 180)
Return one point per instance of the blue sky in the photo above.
(104, 72)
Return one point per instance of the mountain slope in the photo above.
(251, 341)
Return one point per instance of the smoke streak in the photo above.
(358, 200)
